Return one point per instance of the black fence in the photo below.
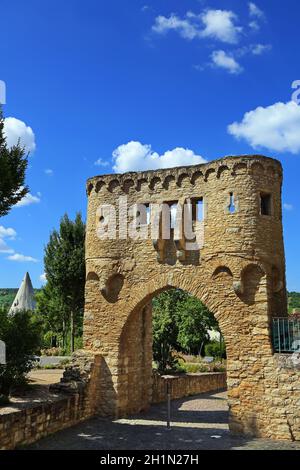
(286, 335)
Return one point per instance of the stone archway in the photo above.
(236, 321)
(237, 270)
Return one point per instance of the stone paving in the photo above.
(198, 422)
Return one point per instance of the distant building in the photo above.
(214, 335)
(24, 299)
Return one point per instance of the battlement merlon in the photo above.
(231, 163)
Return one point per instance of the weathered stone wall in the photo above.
(186, 385)
(238, 272)
(25, 426)
(283, 396)
(76, 398)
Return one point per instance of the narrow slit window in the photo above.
(231, 207)
(148, 214)
(198, 210)
(265, 204)
(173, 213)
(143, 212)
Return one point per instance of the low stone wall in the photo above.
(186, 385)
(24, 426)
(74, 399)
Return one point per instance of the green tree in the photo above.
(13, 165)
(293, 301)
(193, 322)
(216, 349)
(53, 313)
(180, 323)
(65, 271)
(21, 334)
(165, 328)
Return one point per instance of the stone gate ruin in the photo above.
(238, 271)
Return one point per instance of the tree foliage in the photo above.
(13, 165)
(21, 334)
(54, 315)
(293, 301)
(62, 299)
(215, 349)
(193, 320)
(180, 323)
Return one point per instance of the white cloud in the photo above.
(225, 61)
(43, 278)
(259, 49)
(183, 26)
(7, 232)
(22, 258)
(255, 11)
(135, 156)
(288, 207)
(101, 162)
(220, 24)
(48, 172)
(251, 49)
(254, 25)
(256, 15)
(275, 127)
(4, 248)
(215, 24)
(15, 130)
(29, 199)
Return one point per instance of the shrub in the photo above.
(22, 336)
(219, 369)
(215, 350)
(191, 368)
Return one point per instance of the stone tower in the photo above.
(237, 270)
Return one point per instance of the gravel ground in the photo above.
(198, 423)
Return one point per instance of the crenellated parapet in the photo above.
(256, 165)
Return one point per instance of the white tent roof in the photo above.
(24, 299)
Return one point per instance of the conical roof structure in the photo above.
(24, 299)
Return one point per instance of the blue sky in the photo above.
(134, 84)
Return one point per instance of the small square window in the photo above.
(265, 204)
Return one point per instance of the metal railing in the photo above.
(286, 335)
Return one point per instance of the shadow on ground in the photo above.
(198, 423)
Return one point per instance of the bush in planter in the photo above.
(22, 336)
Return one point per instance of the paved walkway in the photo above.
(198, 423)
(45, 376)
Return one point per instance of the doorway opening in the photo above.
(173, 334)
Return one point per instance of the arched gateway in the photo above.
(236, 267)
